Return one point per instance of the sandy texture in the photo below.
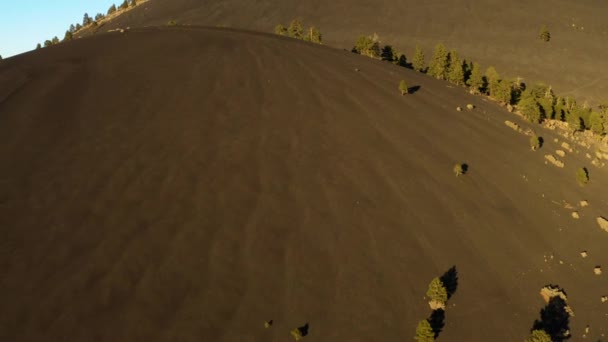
(490, 32)
(190, 184)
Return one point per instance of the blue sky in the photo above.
(24, 23)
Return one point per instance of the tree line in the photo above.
(296, 30)
(87, 21)
(536, 102)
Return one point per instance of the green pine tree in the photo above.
(476, 81)
(418, 62)
(295, 29)
(112, 9)
(438, 66)
(280, 30)
(368, 46)
(437, 291)
(313, 35)
(55, 40)
(456, 70)
(68, 36)
(424, 332)
(503, 92)
(528, 105)
(493, 78)
(38, 46)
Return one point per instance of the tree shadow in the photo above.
(304, 329)
(412, 90)
(541, 142)
(465, 169)
(554, 320)
(437, 321)
(450, 277)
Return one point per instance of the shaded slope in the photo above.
(491, 32)
(190, 184)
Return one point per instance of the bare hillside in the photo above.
(189, 184)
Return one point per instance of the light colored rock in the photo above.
(575, 215)
(603, 223)
(597, 270)
(567, 147)
(560, 153)
(459, 109)
(554, 161)
(513, 125)
(435, 305)
(470, 106)
(604, 299)
(584, 203)
(588, 155)
(584, 254)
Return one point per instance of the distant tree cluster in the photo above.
(544, 34)
(296, 30)
(88, 21)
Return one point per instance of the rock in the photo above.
(513, 125)
(567, 147)
(597, 270)
(604, 299)
(459, 109)
(584, 203)
(588, 155)
(554, 161)
(510, 108)
(584, 254)
(435, 305)
(560, 153)
(575, 215)
(603, 223)
(470, 106)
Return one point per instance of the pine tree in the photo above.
(38, 46)
(78, 27)
(456, 70)
(313, 35)
(544, 34)
(112, 9)
(437, 291)
(503, 92)
(529, 106)
(424, 332)
(68, 36)
(133, 3)
(403, 88)
(539, 336)
(55, 40)
(295, 29)
(86, 20)
(99, 16)
(438, 67)
(418, 62)
(476, 81)
(72, 28)
(47, 43)
(280, 30)
(493, 78)
(124, 5)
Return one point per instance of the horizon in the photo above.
(36, 21)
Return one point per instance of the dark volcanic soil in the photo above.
(492, 32)
(188, 184)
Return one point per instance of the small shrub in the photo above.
(424, 332)
(460, 169)
(535, 142)
(544, 34)
(171, 23)
(403, 88)
(582, 176)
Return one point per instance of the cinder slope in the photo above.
(492, 32)
(188, 184)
